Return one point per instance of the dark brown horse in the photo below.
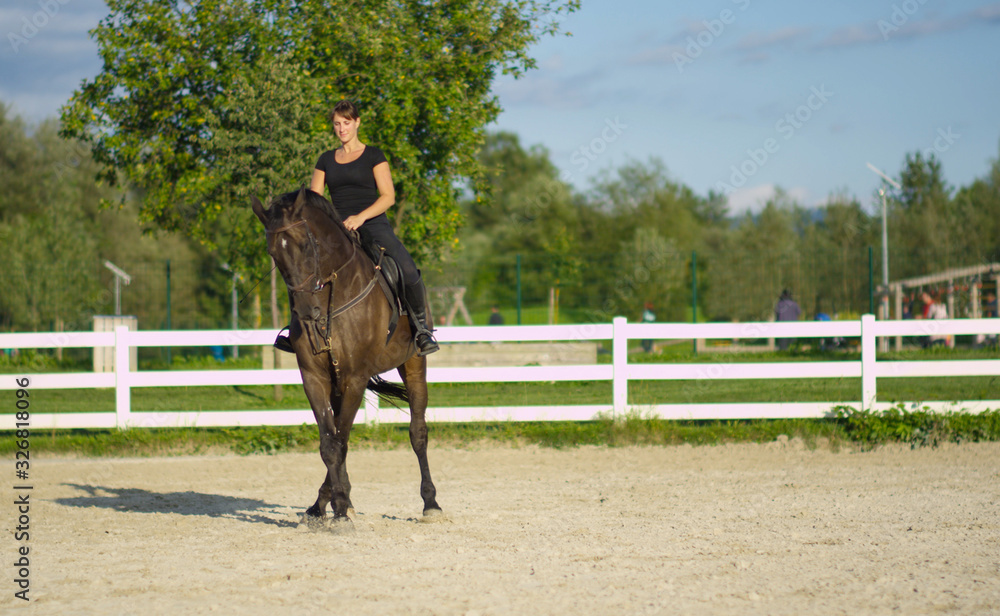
(339, 330)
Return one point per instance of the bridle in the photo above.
(320, 281)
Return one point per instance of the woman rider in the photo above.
(361, 190)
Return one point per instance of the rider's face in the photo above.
(345, 128)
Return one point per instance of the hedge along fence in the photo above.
(620, 372)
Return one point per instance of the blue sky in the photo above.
(739, 96)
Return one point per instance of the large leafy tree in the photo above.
(421, 71)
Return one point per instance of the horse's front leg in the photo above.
(333, 448)
(414, 375)
(318, 388)
(318, 509)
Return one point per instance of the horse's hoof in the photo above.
(308, 521)
(337, 525)
(433, 515)
(341, 525)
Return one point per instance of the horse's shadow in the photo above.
(182, 503)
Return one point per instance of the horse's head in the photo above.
(299, 240)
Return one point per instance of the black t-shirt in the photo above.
(352, 185)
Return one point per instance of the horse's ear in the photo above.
(300, 201)
(258, 209)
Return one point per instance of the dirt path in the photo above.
(744, 529)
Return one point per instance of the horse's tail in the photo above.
(390, 392)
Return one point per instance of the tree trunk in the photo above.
(275, 323)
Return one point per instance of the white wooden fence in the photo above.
(620, 372)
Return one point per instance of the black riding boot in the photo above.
(416, 302)
(284, 343)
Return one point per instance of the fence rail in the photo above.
(619, 372)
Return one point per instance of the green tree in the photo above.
(923, 225)
(977, 210)
(48, 226)
(649, 228)
(422, 72)
(762, 255)
(262, 141)
(524, 209)
(841, 241)
(57, 238)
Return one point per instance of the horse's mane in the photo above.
(316, 202)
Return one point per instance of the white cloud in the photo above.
(764, 40)
(664, 54)
(752, 199)
(899, 24)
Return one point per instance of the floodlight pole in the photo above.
(120, 276)
(885, 258)
(885, 249)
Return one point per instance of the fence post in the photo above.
(868, 342)
(619, 358)
(123, 394)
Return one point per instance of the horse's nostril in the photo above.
(315, 312)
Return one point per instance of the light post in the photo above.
(120, 277)
(885, 247)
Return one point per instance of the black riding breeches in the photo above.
(381, 233)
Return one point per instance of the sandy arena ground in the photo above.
(737, 529)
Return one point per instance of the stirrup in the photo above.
(426, 344)
(284, 343)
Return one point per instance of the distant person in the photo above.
(787, 310)
(648, 316)
(933, 309)
(495, 317)
(990, 306)
(908, 307)
(824, 343)
(990, 312)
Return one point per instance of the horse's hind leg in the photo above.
(414, 375)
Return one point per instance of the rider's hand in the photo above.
(353, 222)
